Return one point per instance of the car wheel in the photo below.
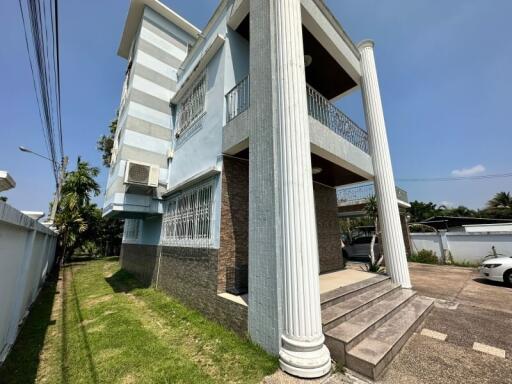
(507, 278)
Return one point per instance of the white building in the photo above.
(225, 166)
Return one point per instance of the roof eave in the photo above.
(134, 16)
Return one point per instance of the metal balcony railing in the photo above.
(321, 109)
(237, 100)
(361, 193)
(325, 112)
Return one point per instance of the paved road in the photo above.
(468, 310)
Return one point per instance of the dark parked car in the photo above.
(359, 248)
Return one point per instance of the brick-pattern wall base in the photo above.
(329, 246)
(140, 261)
(190, 275)
(234, 227)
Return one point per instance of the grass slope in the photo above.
(106, 328)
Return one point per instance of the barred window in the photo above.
(187, 217)
(131, 229)
(192, 106)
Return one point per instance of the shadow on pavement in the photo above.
(492, 283)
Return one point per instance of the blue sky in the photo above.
(444, 68)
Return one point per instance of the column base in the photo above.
(303, 360)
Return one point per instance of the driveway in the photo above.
(468, 310)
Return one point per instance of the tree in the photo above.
(460, 211)
(500, 200)
(420, 211)
(105, 143)
(75, 212)
(3, 198)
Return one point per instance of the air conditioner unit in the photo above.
(141, 174)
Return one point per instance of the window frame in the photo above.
(188, 217)
(200, 84)
(128, 231)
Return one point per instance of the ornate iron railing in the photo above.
(361, 193)
(237, 100)
(326, 113)
(321, 109)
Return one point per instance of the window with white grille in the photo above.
(131, 229)
(192, 106)
(187, 217)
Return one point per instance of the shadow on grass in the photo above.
(23, 361)
(85, 340)
(123, 281)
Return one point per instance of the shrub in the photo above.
(425, 256)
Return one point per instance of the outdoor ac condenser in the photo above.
(141, 174)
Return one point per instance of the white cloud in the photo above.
(468, 171)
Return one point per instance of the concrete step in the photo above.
(336, 314)
(345, 336)
(338, 295)
(371, 356)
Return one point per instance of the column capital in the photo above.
(365, 43)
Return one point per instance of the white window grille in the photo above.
(187, 217)
(131, 229)
(192, 105)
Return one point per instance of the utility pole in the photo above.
(58, 191)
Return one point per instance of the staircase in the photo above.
(367, 323)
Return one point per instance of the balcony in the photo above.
(237, 100)
(357, 195)
(319, 108)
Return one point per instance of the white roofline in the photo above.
(135, 15)
(6, 181)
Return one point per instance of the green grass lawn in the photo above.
(99, 325)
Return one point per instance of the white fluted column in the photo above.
(389, 218)
(302, 351)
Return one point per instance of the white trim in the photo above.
(156, 65)
(150, 115)
(151, 88)
(135, 15)
(142, 141)
(159, 42)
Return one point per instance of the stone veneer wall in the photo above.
(187, 274)
(195, 276)
(329, 246)
(141, 261)
(234, 233)
(190, 275)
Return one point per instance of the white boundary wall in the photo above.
(464, 246)
(27, 253)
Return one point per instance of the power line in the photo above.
(41, 27)
(460, 178)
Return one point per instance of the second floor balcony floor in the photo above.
(319, 108)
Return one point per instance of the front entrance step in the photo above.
(338, 295)
(345, 310)
(367, 323)
(376, 351)
(349, 333)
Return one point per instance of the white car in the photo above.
(497, 269)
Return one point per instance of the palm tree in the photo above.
(500, 200)
(74, 211)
